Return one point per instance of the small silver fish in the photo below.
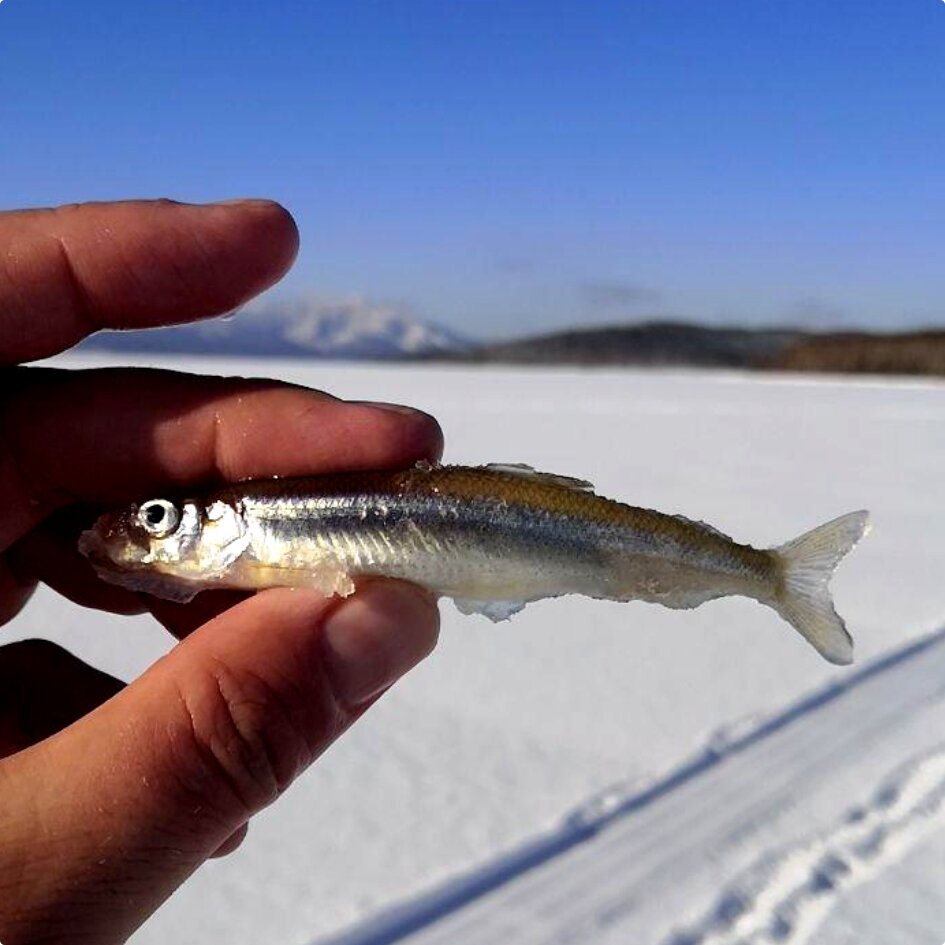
(493, 538)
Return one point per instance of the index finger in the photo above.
(110, 436)
(67, 272)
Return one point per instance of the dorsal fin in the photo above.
(527, 472)
(702, 526)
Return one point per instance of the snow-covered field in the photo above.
(596, 772)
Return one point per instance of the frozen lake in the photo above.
(506, 729)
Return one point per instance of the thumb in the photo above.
(101, 822)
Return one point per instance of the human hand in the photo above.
(112, 795)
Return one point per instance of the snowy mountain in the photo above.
(351, 329)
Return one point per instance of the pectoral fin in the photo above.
(328, 578)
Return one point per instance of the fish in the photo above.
(493, 538)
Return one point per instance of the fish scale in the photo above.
(493, 538)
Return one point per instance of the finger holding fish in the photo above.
(173, 430)
(166, 431)
(113, 795)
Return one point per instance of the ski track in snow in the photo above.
(784, 897)
(602, 875)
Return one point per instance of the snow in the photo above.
(492, 746)
(773, 806)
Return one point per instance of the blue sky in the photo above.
(504, 167)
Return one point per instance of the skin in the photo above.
(114, 794)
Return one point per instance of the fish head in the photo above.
(161, 544)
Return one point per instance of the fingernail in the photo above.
(402, 409)
(242, 202)
(376, 636)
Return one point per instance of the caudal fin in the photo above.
(804, 598)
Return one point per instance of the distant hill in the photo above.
(666, 344)
(650, 343)
(356, 330)
(919, 352)
(346, 330)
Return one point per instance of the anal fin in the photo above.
(495, 610)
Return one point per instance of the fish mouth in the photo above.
(109, 532)
(93, 547)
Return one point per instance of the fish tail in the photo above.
(803, 597)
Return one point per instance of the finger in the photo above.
(67, 272)
(183, 619)
(108, 817)
(44, 688)
(127, 433)
(15, 590)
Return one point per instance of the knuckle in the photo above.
(244, 740)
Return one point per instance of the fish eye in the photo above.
(158, 517)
